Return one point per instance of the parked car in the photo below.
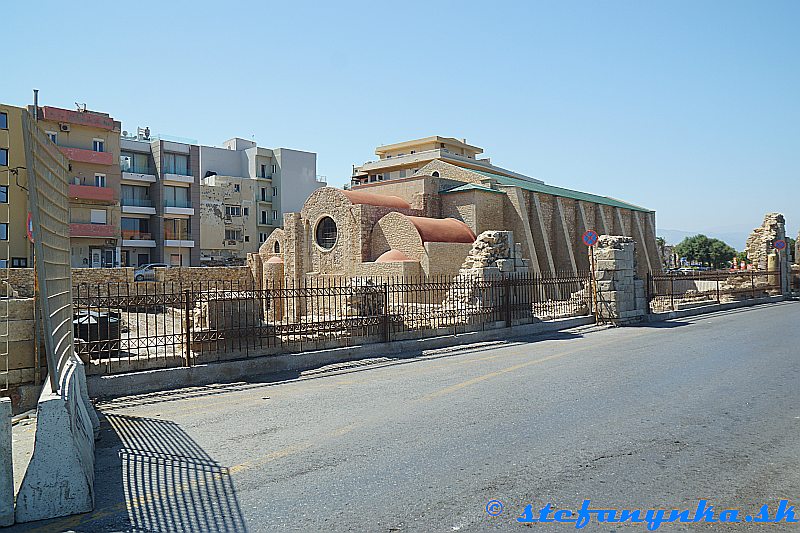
(147, 272)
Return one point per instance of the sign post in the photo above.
(589, 238)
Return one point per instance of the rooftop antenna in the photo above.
(81, 107)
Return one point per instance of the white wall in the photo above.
(298, 179)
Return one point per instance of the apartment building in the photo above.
(15, 249)
(90, 141)
(160, 191)
(404, 159)
(245, 190)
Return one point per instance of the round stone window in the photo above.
(326, 233)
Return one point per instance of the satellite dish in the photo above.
(124, 133)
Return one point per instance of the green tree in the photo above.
(790, 243)
(702, 249)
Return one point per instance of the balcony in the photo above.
(82, 155)
(98, 231)
(178, 176)
(137, 239)
(90, 192)
(178, 207)
(138, 206)
(178, 239)
(143, 174)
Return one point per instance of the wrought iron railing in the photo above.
(670, 292)
(122, 327)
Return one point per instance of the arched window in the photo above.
(326, 233)
(435, 173)
(277, 247)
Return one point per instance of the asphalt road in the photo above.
(655, 416)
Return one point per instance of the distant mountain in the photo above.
(733, 238)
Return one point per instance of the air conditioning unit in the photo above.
(64, 127)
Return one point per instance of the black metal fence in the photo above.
(122, 327)
(668, 292)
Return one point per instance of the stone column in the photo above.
(6, 465)
(620, 294)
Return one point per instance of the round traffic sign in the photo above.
(590, 237)
(780, 244)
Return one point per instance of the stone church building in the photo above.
(425, 224)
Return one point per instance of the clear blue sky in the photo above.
(687, 107)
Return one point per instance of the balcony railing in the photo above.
(133, 169)
(90, 192)
(137, 202)
(83, 155)
(82, 229)
(178, 171)
(177, 203)
(177, 235)
(136, 235)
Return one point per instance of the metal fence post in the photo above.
(672, 292)
(753, 283)
(187, 324)
(507, 300)
(387, 334)
(719, 301)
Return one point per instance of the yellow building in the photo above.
(91, 142)
(15, 249)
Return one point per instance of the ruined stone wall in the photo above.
(621, 295)
(760, 243)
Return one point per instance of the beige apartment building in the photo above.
(15, 248)
(404, 159)
(91, 142)
(245, 190)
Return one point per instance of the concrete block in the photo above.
(6, 465)
(21, 354)
(59, 480)
(18, 309)
(18, 330)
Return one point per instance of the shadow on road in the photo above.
(408, 357)
(151, 476)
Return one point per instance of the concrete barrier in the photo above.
(59, 480)
(6, 465)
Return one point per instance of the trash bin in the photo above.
(99, 331)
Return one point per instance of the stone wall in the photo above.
(760, 243)
(96, 276)
(621, 297)
(444, 258)
(395, 232)
(21, 281)
(240, 274)
(760, 247)
(21, 347)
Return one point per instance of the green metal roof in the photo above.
(559, 191)
(472, 187)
